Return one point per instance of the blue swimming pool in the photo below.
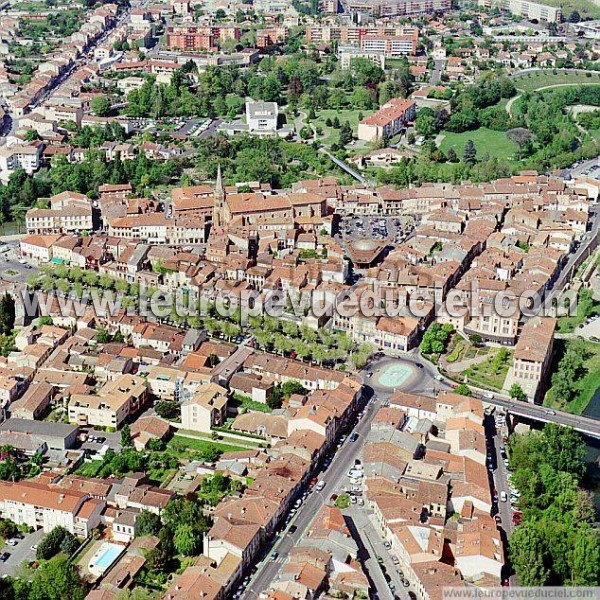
(106, 555)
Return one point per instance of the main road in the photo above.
(333, 476)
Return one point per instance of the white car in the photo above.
(503, 496)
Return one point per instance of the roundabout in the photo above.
(391, 375)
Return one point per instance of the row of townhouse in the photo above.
(49, 71)
(425, 460)
(242, 525)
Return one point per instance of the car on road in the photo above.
(354, 437)
(293, 529)
(320, 485)
(503, 496)
(274, 556)
(387, 545)
(405, 583)
(550, 412)
(4, 556)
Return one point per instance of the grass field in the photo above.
(202, 445)
(587, 385)
(343, 115)
(586, 8)
(495, 143)
(529, 82)
(489, 374)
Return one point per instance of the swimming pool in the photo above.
(394, 374)
(104, 557)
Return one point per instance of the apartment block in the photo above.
(113, 403)
(391, 46)
(206, 409)
(43, 506)
(533, 354)
(397, 8)
(529, 10)
(388, 121)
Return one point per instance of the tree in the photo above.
(188, 540)
(585, 558)
(57, 579)
(470, 153)
(50, 544)
(126, 441)
(275, 400)
(574, 17)
(9, 469)
(157, 559)
(167, 409)
(345, 134)
(528, 555)
(7, 314)
(451, 155)
(463, 390)
(516, 392)
(102, 336)
(475, 339)
(148, 523)
(293, 387)
(69, 544)
(101, 106)
(564, 449)
(425, 122)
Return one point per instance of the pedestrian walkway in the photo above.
(462, 365)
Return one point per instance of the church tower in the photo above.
(218, 218)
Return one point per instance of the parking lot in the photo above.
(12, 267)
(394, 229)
(98, 439)
(23, 551)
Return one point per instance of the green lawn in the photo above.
(529, 82)
(343, 115)
(586, 307)
(489, 374)
(89, 469)
(249, 404)
(586, 8)
(201, 445)
(495, 143)
(587, 385)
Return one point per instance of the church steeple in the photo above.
(219, 185)
(219, 205)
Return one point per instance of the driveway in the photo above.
(19, 553)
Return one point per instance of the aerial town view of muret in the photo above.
(299, 299)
